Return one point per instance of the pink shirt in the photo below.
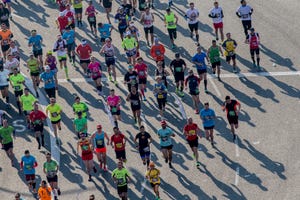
(141, 69)
(113, 101)
(91, 11)
(95, 69)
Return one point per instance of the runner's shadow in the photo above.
(202, 148)
(246, 63)
(106, 178)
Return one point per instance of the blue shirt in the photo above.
(207, 116)
(69, 36)
(48, 79)
(165, 136)
(36, 42)
(122, 19)
(200, 58)
(105, 31)
(161, 87)
(28, 163)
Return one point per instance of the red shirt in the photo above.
(84, 52)
(141, 69)
(118, 141)
(63, 22)
(37, 115)
(70, 15)
(191, 130)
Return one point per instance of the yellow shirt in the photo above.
(45, 193)
(153, 175)
(55, 111)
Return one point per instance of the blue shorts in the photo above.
(130, 53)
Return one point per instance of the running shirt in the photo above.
(55, 111)
(143, 140)
(95, 69)
(214, 54)
(45, 193)
(148, 20)
(135, 99)
(165, 136)
(231, 108)
(15, 52)
(85, 147)
(131, 78)
(200, 58)
(113, 101)
(29, 163)
(5, 36)
(170, 21)
(12, 64)
(253, 40)
(192, 15)
(178, 65)
(121, 176)
(70, 14)
(129, 43)
(160, 87)
(118, 141)
(193, 81)
(6, 134)
(105, 30)
(80, 107)
(122, 18)
(153, 175)
(244, 12)
(17, 81)
(69, 36)
(36, 42)
(33, 65)
(60, 48)
(91, 11)
(207, 116)
(99, 140)
(141, 70)
(51, 168)
(109, 51)
(80, 125)
(77, 4)
(191, 130)
(4, 77)
(49, 79)
(36, 117)
(62, 22)
(27, 102)
(84, 51)
(51, 61)
(229, 45)
(158, 52)
(216, 14)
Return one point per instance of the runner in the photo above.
(135, 98)
(62, 4)
(27, 100)
(191, 16)
(122, 19)
(99, 146)
(130, 78)
(70, 14)
(17, 80)
(18, 197)
(130, 44)
(152, 175)
(4, 15)
(27, 166)
(214, 58)
(244, 12)
(216, 13)
(2, 117)
(77, 5)
(128, 9)
(109, 53)
(199, 61)
(177, 67)
(50, 169)
(69, 37)
(91, 17)
(161, 71)
(95, 69)
(60, 46)
(7, 134)
(253, 40)
(11, 63)
(147, 20)
(142, 142)
(119, 140)
(114, 103)
(33, 66)
(80, 124)
(171, 20)
(14, 50)
(51, 62)
(121, 177)
(229, 45)
(141, 68)
(35, 41)
(191, 132)
(4, 73)
(166, 145)
(79, 106)
(194, 82)
(105, 32)
(50, 80)
(85, 147)
(44, 192)
(5, 37)
(62, 22)
(84, 51)
(157, 52)
(54, 111)
(37, 118)
(160, 92)
(208, 117)
(107, 4)
(232, 108)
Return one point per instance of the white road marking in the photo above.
(214, 86)
(17, 16)
(19, 127)
(237, 174)
(257, 142)
(110, 117)
(181, 108)
(237, 151)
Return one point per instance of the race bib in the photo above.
(164, 138)
(141, 73)
(160, 96)
(119, 145)
(85, 147)
(51, 174)
(154, 179)
(192, 132)
(92, 19)
(120, 181)
(135, 102)
(147, 22)
(245, 16)
(230, 53)
(231, 113)
(54, 114)
(100, 142)
(147, 149)
(178, 69)
(171, 23)
(113, 109)
(28, 167)
(17, 88)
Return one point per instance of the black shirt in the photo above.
(178, 65)
(143, 139)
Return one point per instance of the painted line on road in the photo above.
(17, 16)
(215, 87)
(110, 117)
(179, 103)
(237, 174)
(237, 151)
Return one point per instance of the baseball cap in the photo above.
(130, 67)
(163, 122)
(168, 9)
(99, 126)
(251, 29)
(47, 67)
(83, 42)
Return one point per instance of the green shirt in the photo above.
(77, 3)
(33, 65)
(5, 134)
(214, 54)
(55, 111)
(80, 124)
(121, 176)
(170, 20)
(27, 102)
(129, 43)
(50, 166)
(17, 81)
(80, 107)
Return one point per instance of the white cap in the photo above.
(47, 67)
(128, 33)
(61, 14)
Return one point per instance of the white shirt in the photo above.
(148, 20)
(192, 15)
(61, 50)
(10, 65)
(218, 13)
(3, 77)
(244, 12)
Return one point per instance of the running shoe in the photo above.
(170, 165)
(206, 91)
(110, 78)
(181, 94)
(144, 99)
(104, 168)
(234, 70)
(116, 83)
(219, 79)
(94, 169)
(234, 137)
(58, 192)
(173, 46)
(101, 164)
(198, 164)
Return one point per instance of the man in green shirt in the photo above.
(121, 177)
(171, 23)
(50, 168)
(80, 125)
(27, 101)
(79, 106)
(6, 133)
(17, 80)
(77, 5)
(214, 57)
(129, 44)
(33, 66)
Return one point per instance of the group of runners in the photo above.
(44, 69)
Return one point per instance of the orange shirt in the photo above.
(5, 36)
(158, 52)
(44, 194)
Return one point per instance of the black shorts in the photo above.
(71, 47)
(256, 51)
(110, 61)
(201, 71)
(232, 57)
(193, 27)
(96, 78)
(52, 179)
(122, 30)
(18, 93)
(193, 143)
(215, 64)
(78, 10)
(3, 87)
(8, 146)
(25, 112)
(55, 122)
(233, 119)
(167, 147)
(179, 76)
(161, 103)
(143, 81)
(172, 33)
(149, 30)
(121, 154)
(194, 92)
(118, 112)
(154, 184)
(136, 107)
(208, 127)
(85, 61)
(50, 92)
(4, 48)
(37, 53)
(38, 127)
(72, 25)
(92, 21)
(122, 189)
(35, 74)
(107, 3)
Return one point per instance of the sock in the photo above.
(7, 99)
(33, 185)
(19, 105)
(148, 162)
(197, 37)
(205, 84)
(69, 55)
(143, 93)
(181, 88)
(73, 58)
(38, 140)
(257, 59)
(253, 60)
(66, 71)
(116, 123)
